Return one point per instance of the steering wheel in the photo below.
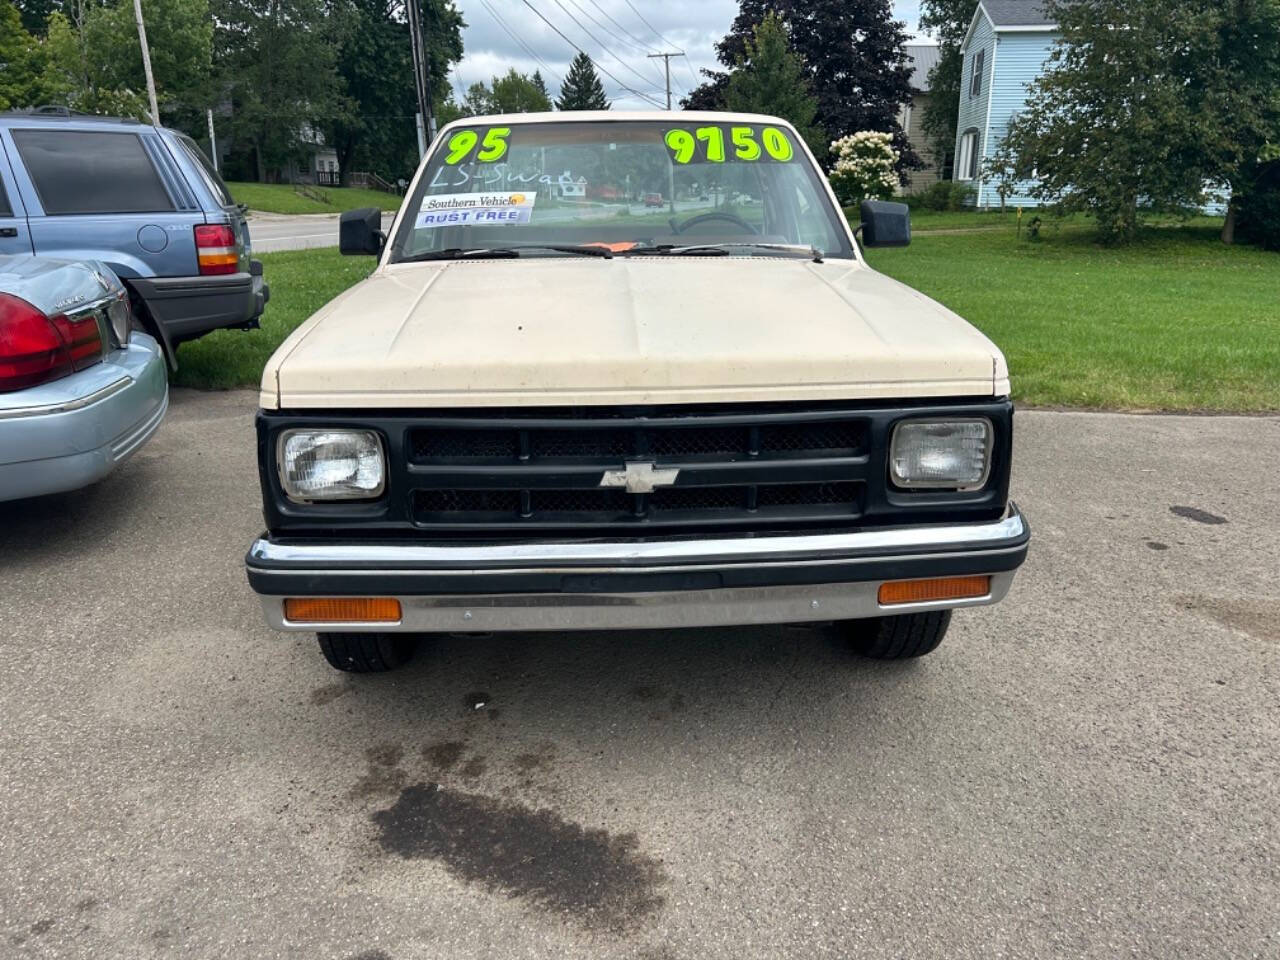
(679, 228)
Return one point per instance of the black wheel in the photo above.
(366, 652)
(899, 638)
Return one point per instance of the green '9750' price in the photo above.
(720, 144)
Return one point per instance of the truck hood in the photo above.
(628, 331)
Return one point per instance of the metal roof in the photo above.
(921, 58)
(1017, 13)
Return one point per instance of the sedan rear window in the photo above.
(78, 171)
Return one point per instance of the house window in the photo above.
(975, 82)
(967, 160)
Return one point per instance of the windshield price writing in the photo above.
(720, 144)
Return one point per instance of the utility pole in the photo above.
(666, 59)
(146, 61)
(421, 74)
(213, 144)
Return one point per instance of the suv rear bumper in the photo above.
(628, 585)
(189, 307)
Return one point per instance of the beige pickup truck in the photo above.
(554, 407)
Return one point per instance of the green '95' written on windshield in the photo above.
(720, 143)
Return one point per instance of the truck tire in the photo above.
(899, 638)
(366, 652)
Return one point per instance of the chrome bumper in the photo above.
(630, 585)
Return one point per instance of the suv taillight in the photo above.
(216, 249)
(35, 348)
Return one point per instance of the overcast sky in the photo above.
(501, 34)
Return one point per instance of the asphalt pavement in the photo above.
(272, 232)
(1088, 770)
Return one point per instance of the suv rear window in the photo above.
(80, 171)
(211, 176)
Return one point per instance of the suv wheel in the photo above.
(366, 652)
(898, 638)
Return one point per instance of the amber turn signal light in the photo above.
(342, 610)
(932, 591)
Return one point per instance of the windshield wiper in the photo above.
(509, 252)
(724, 250)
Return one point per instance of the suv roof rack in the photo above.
(53, 111)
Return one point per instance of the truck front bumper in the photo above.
(616, 585)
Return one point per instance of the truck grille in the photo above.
(541, 471)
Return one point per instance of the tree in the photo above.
(20, 84)
(36, 13)
(541, 84)
(515, 93)
(582, 89)
(708, 95)
(277, 61)
(1144, 102)
(93, 61)
(854, 58)
(511, 93)
(478, 101)
(373, 126)
(948, 21)
(770, 79)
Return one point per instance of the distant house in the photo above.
(922, 58)
(1005, 50)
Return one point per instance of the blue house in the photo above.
(1005, 50)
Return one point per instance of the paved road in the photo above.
(272, 232)
(1089, 770)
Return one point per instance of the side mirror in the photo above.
(360, 232)
(885, 224)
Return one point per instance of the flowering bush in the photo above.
(864, 167)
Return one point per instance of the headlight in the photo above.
(941, 454)
(331, 465)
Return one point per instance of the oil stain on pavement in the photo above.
(1198, 515)
(597, 879)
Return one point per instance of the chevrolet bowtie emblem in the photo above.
(639, 478)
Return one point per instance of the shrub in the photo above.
(1259, 219)
(864, 168)
(946, 195)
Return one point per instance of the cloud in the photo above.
(617, 34)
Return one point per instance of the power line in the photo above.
(539, 15)
(605, 27)
(647, 48)
(514, 36)
(667, 42)
(596, 41)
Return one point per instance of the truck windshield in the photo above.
(628, 186)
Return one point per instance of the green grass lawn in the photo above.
(301, 282)
(282, 198)
(1176, 322)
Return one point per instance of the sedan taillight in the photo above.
(35, 348)
(216, 249)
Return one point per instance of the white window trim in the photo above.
(968, 149)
